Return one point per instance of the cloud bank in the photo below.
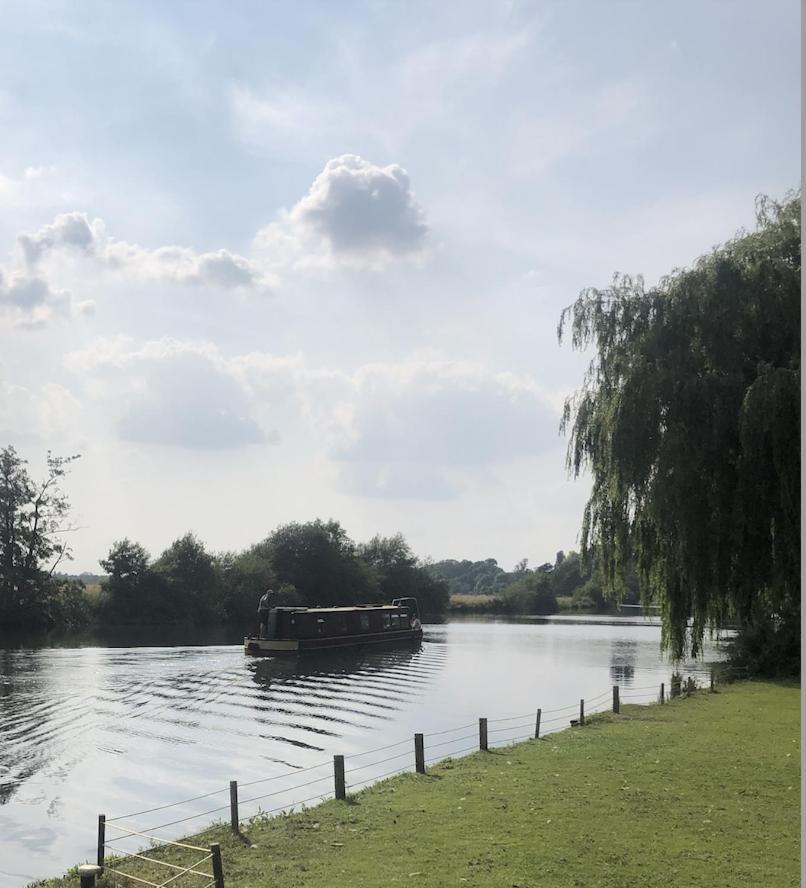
(414, 429)
(74, 233)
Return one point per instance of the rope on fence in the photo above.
(450, 730)
(435, 758)
(191, 817)
(170, 805)
(372, 780)
(184, 869)
(278, 776)
(379, 762)
(453, 740)
(562, 708)
(598, 697)
(292, 805)
(280, 791)
(132, 832)
(354, 755)
(510, 728)
(510, 718)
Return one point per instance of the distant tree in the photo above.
(126, 561)
(245, 576)
(321, 562)
(689, 420)
(128, 587)
(522, 566)
(529, 593)
(400, 576)
(193, 583)
(470, 577)
(33, 524)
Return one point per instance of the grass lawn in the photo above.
(704, 791)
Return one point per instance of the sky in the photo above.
(264, 262)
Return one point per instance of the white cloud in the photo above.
(416, 429)
(48, 413)
(417, 426)
(27, 300)
(75, 233)
(170, 392)
(35, 186)
(356, 214)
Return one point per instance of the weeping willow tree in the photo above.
(689, 423)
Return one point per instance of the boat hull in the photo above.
(295, 646)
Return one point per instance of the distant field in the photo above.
(92, 591)
(471, 599)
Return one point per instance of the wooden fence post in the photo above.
(419, 754)
(483, 734)
(616, 701)
(101, 839)
(338, 774)
(662, 696)
(712, 679)
(537, 724)
(218, 870)
(87, 873)
(233, 806)
(581, 712)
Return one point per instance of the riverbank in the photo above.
(702, 791)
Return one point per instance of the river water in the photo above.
(121, 730)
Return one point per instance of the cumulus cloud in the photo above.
(171, 393)
(27, 300)
(415, 429)
(416, 426)
(412, 429)
(75, 233)
(355, 213)
(45, 413)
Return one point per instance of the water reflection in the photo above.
(622, 662)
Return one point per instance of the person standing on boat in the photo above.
(263, 608)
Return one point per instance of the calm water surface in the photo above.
(116, 730)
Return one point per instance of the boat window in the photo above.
(395, 621)
(387, 620)
(365, 622)
(404, 621)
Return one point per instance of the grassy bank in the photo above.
(703, 791)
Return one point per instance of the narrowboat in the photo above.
(297, 630)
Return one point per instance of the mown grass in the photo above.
(703, 791)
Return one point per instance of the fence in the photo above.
(352, 773)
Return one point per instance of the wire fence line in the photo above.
(533, 725)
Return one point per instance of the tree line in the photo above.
(569, 583)
(312, 563)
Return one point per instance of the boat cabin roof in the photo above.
(346, 608)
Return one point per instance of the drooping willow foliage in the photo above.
(689, 422)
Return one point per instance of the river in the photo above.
(119, 730)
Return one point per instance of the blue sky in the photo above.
(266, 262)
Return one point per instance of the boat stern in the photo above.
(263, 646)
